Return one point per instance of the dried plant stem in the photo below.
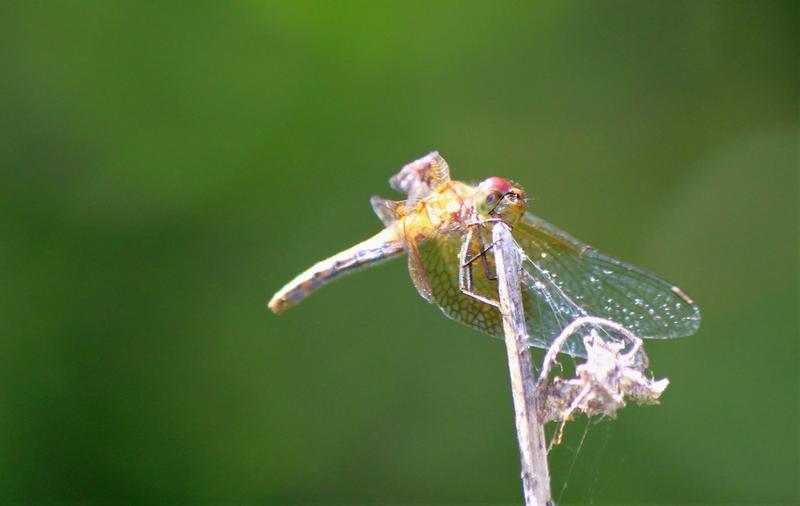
(530, 430)
(569, 330)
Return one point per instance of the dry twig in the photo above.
(530, 430)
(613, 371)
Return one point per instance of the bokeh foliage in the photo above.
(166, 167)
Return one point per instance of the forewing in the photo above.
(566, 279)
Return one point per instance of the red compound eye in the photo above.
(496, 183)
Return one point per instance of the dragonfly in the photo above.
(444, 227)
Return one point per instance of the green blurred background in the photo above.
(167, 167)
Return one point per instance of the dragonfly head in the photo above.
(498, 198)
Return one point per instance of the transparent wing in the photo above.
(416, 270)
(419, 178)
(440, 261)
(565, 279)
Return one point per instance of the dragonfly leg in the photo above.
(465, 272)
(479, 255)
(483, 222)
(491, 276)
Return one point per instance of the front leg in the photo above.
(465, 272)
(491, 276)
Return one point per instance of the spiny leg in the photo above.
(491, 276)
(465, 272)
